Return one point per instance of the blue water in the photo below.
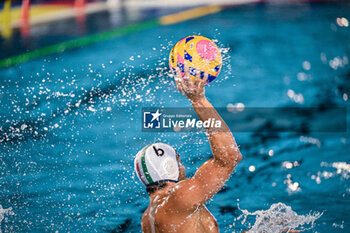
(71, 123)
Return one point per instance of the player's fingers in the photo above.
(204, 81)
(197, 79)
(178, 73)
(186, 78)
(187, 71)
(191, 81)
(180, 86)
(178, 80)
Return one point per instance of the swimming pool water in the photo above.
(71, 123)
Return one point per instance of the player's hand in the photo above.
(191, 89)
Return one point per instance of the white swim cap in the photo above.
(157, 162)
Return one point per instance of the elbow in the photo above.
(238, 157)
(235, 156)
(232, 157)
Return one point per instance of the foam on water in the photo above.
(277, 218)
(335, 169)
(3, 212)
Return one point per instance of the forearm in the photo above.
(222, 142)
(205, 111)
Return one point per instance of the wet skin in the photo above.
(165, 220)
(179, 207)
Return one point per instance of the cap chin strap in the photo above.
(157, 182)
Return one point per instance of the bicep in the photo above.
(207, 181)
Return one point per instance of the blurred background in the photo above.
(74, 76)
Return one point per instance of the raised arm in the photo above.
(212, 175)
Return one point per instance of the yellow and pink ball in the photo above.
(199, 54)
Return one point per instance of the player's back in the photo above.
(158, 219)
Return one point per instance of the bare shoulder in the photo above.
(171, 204)
(188, 194)
(145, 221)
(144, 215)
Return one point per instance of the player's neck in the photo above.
(161, 192)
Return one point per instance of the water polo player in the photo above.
(177, 203)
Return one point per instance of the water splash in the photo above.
(278, 218)
(292, 186)
(342, 169)
(44, 103)
(3, 212)
(226, 61)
